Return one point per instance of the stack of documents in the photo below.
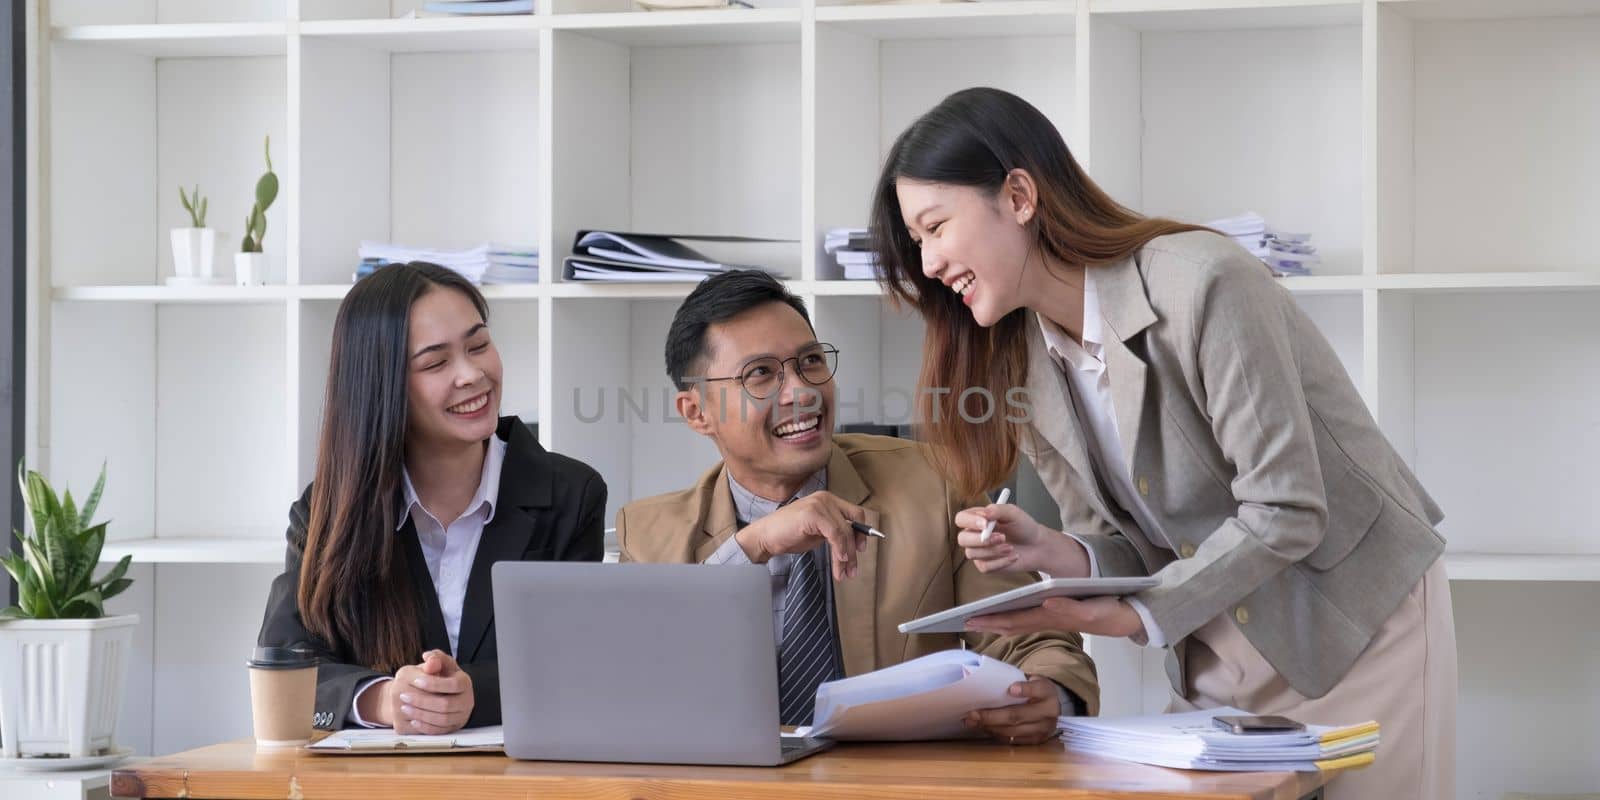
(1192, 741)
(1247, 229)
(919, 700)
(455, 8)
(852, 248)
(1290, 253)
(618, 256)
(512, 264)
(1284, 253)
(487, 263)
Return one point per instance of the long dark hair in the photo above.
(976, 137)
(355, 585)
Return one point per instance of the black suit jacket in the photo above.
(550, 508)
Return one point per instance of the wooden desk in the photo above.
(235, 771)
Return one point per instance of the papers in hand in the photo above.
(382, 740)
(1192, 741)
(921, 699)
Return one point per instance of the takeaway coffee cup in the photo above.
(283, 696)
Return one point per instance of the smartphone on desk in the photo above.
(1267, 724)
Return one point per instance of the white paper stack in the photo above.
(1193, 741)
(1284, 253)
(512, 264)
(1247, 229)
(852, 249)
(1290, 253)
(489, 262)
(919, 700)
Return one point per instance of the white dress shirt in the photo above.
(1084, 367)
(448, 549)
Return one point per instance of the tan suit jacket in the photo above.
(919, 569)
(1288, 509)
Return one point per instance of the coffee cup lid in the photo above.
(281, 658)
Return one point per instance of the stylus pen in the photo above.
(988, 527)
(866, 530)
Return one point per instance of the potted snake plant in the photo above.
(63, 662)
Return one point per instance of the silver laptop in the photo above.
(642, 663)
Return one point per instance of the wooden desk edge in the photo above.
(168, 778)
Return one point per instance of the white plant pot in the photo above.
(61, 683)
(192, 250)
(249, 268)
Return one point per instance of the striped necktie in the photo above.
(805, 653)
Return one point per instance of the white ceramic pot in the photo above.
(192, 250)
(61, 683)
(249, 269)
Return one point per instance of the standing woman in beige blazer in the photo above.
(1192, 424)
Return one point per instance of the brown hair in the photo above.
(976, 137)
(355, 588)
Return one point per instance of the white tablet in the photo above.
(1031, 596)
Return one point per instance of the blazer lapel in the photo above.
(1127, 394)
(1126, 312)
(1055, 417)
(716, 519)
(513, 535)
(855, 599)
(434, 635)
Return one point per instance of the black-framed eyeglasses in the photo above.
(762, 377)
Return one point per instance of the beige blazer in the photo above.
(1288, 509)
(919, 569)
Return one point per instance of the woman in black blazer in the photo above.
(420, 488)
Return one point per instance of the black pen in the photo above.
(866, 530)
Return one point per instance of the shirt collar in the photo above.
(749, 506)
(1063, 348)
(484, 500)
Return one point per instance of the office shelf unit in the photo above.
(1443, 153)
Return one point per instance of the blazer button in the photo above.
(1144, 486)
(1187, 550)
(1242, 614)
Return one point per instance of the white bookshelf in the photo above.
(1442, 152)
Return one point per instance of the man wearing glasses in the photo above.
(752, 377)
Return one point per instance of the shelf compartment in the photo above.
(428, 149)
(665, 139)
